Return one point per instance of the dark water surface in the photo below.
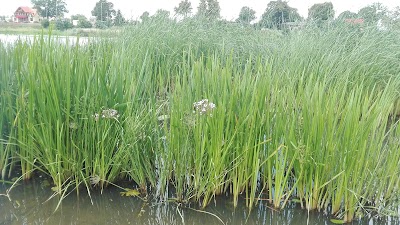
(30, 205)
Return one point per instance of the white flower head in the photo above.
(109, 114)
(106, 114)
(203, 107)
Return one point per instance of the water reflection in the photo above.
(29, 205)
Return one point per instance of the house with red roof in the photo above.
(26, 14)
(357, 21)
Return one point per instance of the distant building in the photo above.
(26, 14)
(358, 21)
(75, 22)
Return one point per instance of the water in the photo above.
(10, 39)
(30, 204)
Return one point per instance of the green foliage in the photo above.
(209, 9)
(184, 8)
(161, 14)
(103, 10)
(373, 13)
(394, 18)
(84, 23)
(63, 24)
(321, 12)
(119, 20)
(246, 15)
(78, 17)
(50, 8)
(145, 16)
(200, 107)
(45, 23)
(277, 14)
(347, 15)
(103, 24)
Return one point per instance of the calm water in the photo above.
(30, 205)
(10, 39)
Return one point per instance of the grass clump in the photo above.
(210, 109)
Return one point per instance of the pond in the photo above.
(30, 204)
(10, 39)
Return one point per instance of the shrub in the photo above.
(63, 24)
(84, 23)
(45, 23)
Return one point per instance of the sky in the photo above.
(132, 9)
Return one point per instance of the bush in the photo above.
(45, 23)
(84, 23)
(103, 24)
(63, 24)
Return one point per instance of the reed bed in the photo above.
(208, 109)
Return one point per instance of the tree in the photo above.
(277, 13)
(63, 24)
(246, 15)
(321, 12)
(50, 8)
(83, 22)
(119, 19)
(103, 11)
(78, 17)
(373, 13)
(145, 16)
(161, 14)
(209, 9)
(184, 8)
(347, 15)
(394, 17)
(45, 23)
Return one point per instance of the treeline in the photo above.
(278, 14)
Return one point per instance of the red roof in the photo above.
(354, 21)
(26, 9)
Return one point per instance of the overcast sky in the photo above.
(229, 8)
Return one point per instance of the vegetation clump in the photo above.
(309, 116)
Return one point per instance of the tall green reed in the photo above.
(307, 115)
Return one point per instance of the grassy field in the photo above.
(211, 109)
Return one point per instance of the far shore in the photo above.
(36, 29)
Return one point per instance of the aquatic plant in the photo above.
(195, 110)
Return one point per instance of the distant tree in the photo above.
(63, 24)
(202, 8)
(321, 12)
(347, 15)
(277, 13)
(50, 8)
(84, 23)
(394, 17)
(45, 23)
(162, 14)
(145, 16)
(209, 9)
(103, 10)
(78, 17)
(184, 8)
(119, 19)
(373, 13)
(246, 15)
(395, 14)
